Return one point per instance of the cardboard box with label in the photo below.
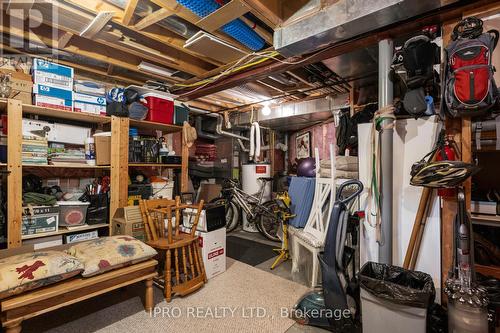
(40, 220)
(22, 86)
(102, 148)
(213, 250)
(89, 104)
(128, 221)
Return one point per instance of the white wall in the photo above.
(412, 140)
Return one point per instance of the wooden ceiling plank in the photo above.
(64, 40)
(227, 13)
(128, 14)
(153, 18)
(264, 13)
(19, 8)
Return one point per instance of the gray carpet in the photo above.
(238, 292)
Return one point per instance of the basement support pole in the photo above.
(385, 97)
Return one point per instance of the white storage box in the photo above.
(163, 190)
(72, 213)
(89, 87)
(52, 67)
(89, 108)
(213, 250)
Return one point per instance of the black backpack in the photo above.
(418, 86)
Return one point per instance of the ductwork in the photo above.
(316, 25)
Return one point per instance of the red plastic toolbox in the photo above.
(160, 108)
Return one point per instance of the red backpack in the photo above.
(470, 88)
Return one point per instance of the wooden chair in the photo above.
(189, 271)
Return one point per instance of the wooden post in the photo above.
(15, 176)
(119, 164)
(184, 165)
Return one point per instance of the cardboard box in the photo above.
(128, 221)
(53, 102)
(213, 250)
(81, 237)
(52, 80)
(89, 99)
(89, 108)
(22, 86)
(208, 192)
(51, 67)
(102, 149)
(40, 220)
(44, 90)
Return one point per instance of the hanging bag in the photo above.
(470, 87)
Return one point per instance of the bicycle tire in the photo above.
(232, 213)
(268, 227)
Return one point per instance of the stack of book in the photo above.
(61, 155)
(34, 150)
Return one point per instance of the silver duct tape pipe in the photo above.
(385, 97)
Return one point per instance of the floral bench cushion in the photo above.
(32, 270)
(107, 253)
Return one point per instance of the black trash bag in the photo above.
(398, 285)
(437, 320)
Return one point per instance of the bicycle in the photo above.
(265, 215)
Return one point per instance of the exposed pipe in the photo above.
(286, 153)
(201, 133)
(385, 97)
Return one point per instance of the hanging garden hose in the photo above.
(382, 114)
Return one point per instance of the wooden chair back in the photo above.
(154, 223)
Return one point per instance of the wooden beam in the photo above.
(15, 176)
(153, 18)
(264, 13)
(119, 163)
(64, 40)
(19, 8)
(227, 13)
(128, 15)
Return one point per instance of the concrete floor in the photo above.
(283, 270)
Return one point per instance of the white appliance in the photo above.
(250, 174)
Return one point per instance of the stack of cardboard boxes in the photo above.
(89, 97)
(53, 85)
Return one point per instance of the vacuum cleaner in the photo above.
(334, 306)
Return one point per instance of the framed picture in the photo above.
(303, 145)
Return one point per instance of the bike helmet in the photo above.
(441, 174)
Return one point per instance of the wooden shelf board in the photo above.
(149, 125)
(69, 166)
(152, 165)
(63, 231)
(491, 220)
(489, 270)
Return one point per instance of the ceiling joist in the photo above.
(153, 18)
(227, 13)
(128, 14)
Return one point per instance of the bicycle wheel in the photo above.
(232, 213)
(269, 222)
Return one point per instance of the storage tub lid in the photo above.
(73, 203)
(160, 96)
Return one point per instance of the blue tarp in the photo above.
(301, 193)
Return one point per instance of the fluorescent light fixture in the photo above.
(154, 69)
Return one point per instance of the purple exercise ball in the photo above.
(306, 167)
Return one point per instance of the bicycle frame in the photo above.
(248, 202)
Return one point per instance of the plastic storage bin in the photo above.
(72, 213)
(160, 108)
(393, 292)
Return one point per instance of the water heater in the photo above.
(250, 182)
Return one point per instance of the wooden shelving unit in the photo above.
(118, 169)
